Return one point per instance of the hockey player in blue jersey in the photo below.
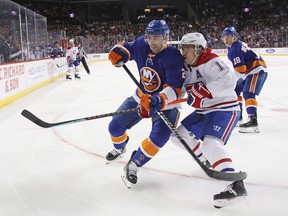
(251, 70)
(161, 74)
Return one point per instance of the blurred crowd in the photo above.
(259, 23)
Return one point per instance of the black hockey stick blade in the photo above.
(235, 176)
(59, 66)
(210, 172)
(27, 114)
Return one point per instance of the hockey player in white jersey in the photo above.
(210, 87)
(72, 56)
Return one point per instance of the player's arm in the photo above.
(222, 79)
(174, 72)
(121, 53)
(68, 55)
(237, 55)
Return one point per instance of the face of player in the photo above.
(189, 54)
(156, 43)
(228, 40)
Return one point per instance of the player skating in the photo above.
(210, 87)
(82, 57)
(72, 56)
(161, 74)
(251, 72)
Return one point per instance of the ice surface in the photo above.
(61, 171)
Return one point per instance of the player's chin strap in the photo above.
(198, 52)
(211, 173)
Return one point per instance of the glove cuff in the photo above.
(163, 101)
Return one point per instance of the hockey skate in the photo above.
(68, 77)
(130, 172)
(250, 127)
(232, 193)
(116, 154)
(77, 76)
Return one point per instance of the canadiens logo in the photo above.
(150, 79)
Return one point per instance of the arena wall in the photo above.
(21, 78)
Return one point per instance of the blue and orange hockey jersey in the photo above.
(159, 73)
(245, 60)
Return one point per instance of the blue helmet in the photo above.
(229, 31)
(157, 27)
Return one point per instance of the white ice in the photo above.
(61, 171)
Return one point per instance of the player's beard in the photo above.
(156, 49)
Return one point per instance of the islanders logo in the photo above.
(150, 79)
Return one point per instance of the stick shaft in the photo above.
(27, 114)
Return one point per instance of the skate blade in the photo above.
(249, 130)
(126, 182)
(221, 203)
(112, 161)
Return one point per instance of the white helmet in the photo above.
(195, 38)
(71, 42)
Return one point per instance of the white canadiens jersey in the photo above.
(219, 80)
(73, 52)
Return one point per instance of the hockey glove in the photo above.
(119, 55)
(196, 94)
(153, 103)
(143, 112)
(69, 61)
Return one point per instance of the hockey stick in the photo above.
(211, 173)
(59, 66)
(27, 114)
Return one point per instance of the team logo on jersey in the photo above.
(150, 79)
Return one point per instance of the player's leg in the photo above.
(69, 71)
(85, 65)
(149, 147)
(252, 88)
(219, 126)
(190, 137)
(77, 69)
(118, 126)
(239, 89)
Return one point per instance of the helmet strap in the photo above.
(198, 52)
